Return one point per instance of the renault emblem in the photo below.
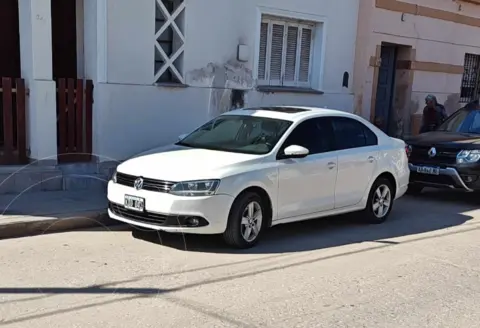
(138, 184)
(432, 152)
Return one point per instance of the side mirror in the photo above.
(295, 151)
(182, 136)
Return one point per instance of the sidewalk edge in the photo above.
(35, 227)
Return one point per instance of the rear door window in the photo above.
(350, 133)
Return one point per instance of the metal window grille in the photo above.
(169, 41)
(470, 89)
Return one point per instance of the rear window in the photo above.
(350, 133)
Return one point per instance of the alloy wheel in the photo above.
(382, 199)
(251, 224)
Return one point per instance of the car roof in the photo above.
(289, 113)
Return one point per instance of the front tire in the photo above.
(246, 221)
(380, 202)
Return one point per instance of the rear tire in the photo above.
(380, 202)
(414, 189)
(246, 221)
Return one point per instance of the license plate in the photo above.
(134, 203)
(428, 170)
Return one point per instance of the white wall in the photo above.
(132, 114)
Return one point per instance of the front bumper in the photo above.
(164, 211)
(448, 178)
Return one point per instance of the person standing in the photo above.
(434, 114)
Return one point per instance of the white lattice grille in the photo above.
(169, 41)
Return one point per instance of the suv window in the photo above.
(464, 121)
(314, 134)
(350, 133)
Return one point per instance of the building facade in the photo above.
(161, 67)
(408, 49)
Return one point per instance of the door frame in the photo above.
(391, 83)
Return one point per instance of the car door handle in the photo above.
(371, 159)
(331, 165)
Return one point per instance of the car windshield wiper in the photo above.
(185, 144)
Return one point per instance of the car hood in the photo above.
(178, 163)
(447, 139)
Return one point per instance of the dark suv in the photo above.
(448, 157)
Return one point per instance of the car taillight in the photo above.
(408, 150)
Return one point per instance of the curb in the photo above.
(28, 226)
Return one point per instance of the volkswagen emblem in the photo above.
(432, 152)
(138, 184)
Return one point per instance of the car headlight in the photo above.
(195, 188)
(468, 156)
(114, 177)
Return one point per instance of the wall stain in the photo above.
(358, 104)
(222, 79)
(452, 103)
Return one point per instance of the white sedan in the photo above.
(250, 169)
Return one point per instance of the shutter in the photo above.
(291, 53)
(276, 54)
(305, 51)
(262, 58)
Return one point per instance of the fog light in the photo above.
(469, 178)
(192, 222)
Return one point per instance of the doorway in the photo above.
(64, 39)
(9, 68)
(385, 87)
(9, 39)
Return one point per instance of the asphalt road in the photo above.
(420, 269)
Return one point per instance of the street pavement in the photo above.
(420, 269)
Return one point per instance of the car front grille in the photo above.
(444, 156)
(145, 217)
(155, 218)
(148, 184)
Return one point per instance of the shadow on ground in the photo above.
(431, 211)
(427, 213)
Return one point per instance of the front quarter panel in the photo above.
(265, 176)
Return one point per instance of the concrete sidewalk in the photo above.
(46, 212)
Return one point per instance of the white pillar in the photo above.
(36, 64)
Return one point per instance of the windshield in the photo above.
(238, 133)
(463, 121)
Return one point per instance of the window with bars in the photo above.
(470, 89)
(285, 56)
(169, 41)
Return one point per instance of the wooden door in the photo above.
(386, 77)
(9, 65)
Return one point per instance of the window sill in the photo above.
(282, 89)
(170, 85)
